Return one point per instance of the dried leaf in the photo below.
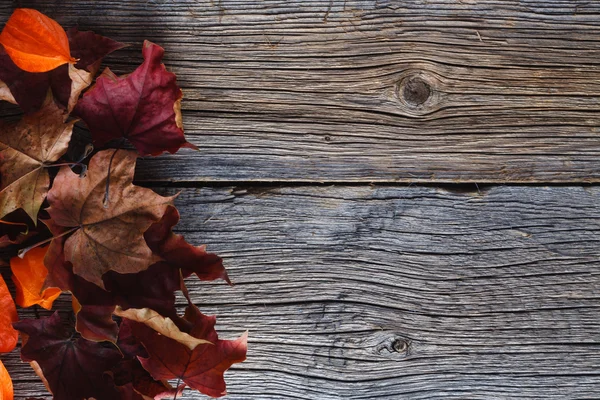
(176, 251)
(29, 274)
(8, 335)
(143, 107)
(108, 232)
(73, 367)
(29, 89)
(35, 42)
(26, 149)
(202, 368)
(6, 386)
(164, 326)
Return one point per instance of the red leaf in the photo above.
(176, 251)
(143, 107)
(73, 367)
(35, 42)
(202, 368)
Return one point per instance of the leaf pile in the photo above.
(82, 227)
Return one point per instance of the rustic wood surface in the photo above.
(392, 291)
(377, 292)
(378, 90)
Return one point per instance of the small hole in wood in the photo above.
(328, 138)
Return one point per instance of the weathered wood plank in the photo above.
(378, 90)
(395, 292)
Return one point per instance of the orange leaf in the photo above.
(35, 42)
(29, 274)
(8, 335)
(6, 386)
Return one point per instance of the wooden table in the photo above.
(404, 192)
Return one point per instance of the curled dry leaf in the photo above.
(177, 252)
(143, 107)
(29, 274)
(8, 335)
(163, 325)
(108, 229)
(35, 42)
(27, 148)
(202, 368)
(6, 386)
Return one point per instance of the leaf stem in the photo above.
(107, 188)
(177, 388)
(22, 252)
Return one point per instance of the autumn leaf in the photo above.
(6, 386)
(13, 231)
(108, 226)
(202, 368)
(27, 148)
(35, 42)
(8, 336)
(134, 382)
(67, 81)
(29, 274)
(163, 325)
(152, 288)
(176, 251)
(72, 366)
(143, 107)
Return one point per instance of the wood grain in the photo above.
(401, 292)
(368, 91)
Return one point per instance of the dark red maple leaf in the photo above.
(143, 107)
(29, 89)
(202, 368)
(152, 288)
(176, 251)
(73, 366)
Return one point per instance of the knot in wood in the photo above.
(415, 90)
(400, 345)
(418, 92)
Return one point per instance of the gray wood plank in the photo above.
(376, 91)
(401, 292)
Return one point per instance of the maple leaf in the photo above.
(108, 226)
(6, 386)
(153, 288)
(72, 366)
(202, 368)
(29, 89)
(8, 336)
(143, 107)
(29, 274)
(163, 325)
(27, 148)
(176, 251)
(132, 380)
(35, 42)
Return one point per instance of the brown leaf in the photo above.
(26, 148)
(163, 325)
(108, 230)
